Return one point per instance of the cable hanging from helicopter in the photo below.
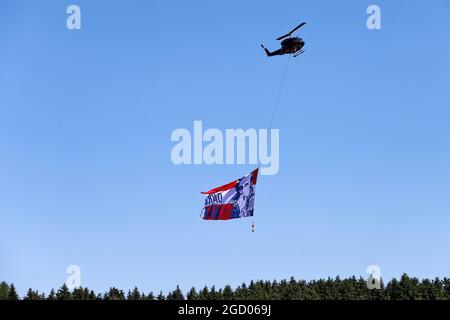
(236, 199)
(291, 46)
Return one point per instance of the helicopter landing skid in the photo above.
(299, 53)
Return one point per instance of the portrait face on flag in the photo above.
(243, 199)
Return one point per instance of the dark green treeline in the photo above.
(407, 288)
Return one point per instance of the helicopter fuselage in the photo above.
(292, 45)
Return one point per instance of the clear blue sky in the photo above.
(86, 117)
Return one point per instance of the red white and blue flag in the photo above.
(232, 200)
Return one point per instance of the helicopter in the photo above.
(291, 45)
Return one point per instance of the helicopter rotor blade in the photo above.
(292, 31)
(297, 27)
(285, 36)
